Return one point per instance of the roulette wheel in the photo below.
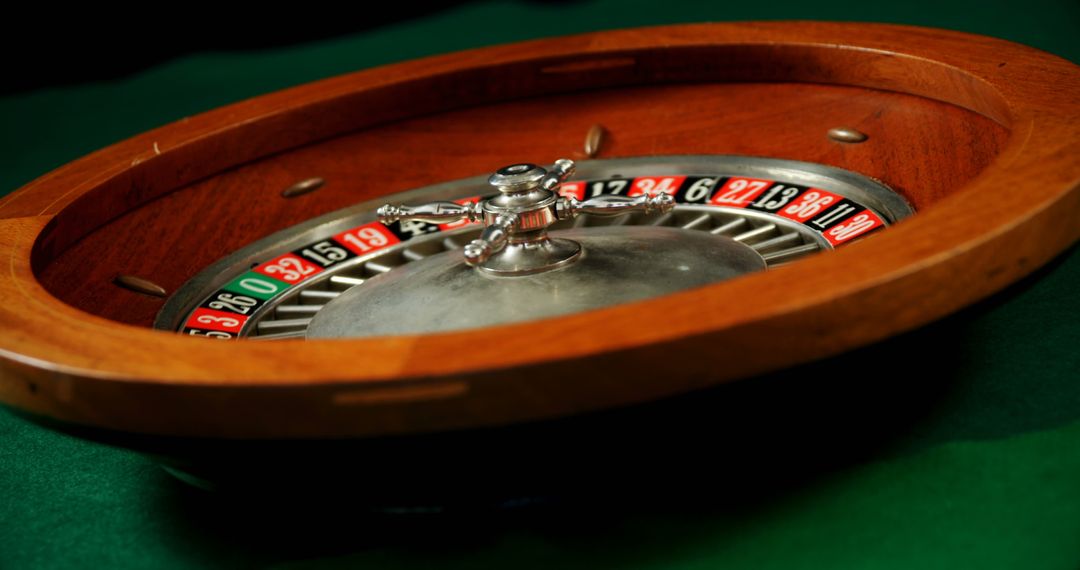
(829, 185)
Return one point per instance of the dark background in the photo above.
(953, 446)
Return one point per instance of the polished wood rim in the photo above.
(1022, 210)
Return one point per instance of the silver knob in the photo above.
(525, 177)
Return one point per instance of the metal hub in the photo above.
(522, 273)
(515, 240)
(620, 264)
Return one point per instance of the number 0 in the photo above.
(258, 286)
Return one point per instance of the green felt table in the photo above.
(955, 446)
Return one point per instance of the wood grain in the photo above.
(922, 148)
(995, 203)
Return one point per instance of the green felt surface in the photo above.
(982, 469)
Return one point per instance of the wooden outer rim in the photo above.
(1020, 212)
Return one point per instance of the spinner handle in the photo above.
(515, 240)
(492, 240)
(562, 169)
(433, 212)
(616, 205)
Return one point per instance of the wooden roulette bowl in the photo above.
(979, 136)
